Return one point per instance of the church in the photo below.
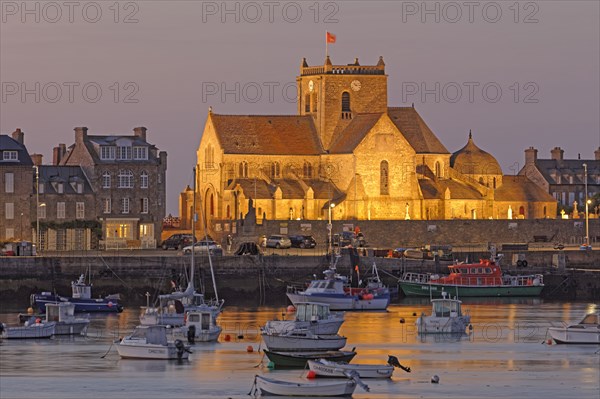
(347, 152)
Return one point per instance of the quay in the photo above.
(262, 279)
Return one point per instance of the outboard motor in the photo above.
(393, 361)
(180, 348)
(191, 334)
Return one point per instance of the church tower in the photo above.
(334, 94)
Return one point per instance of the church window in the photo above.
(384, 178)
(209, 156)
(345, 102)
(307, 170)
(438, 169)
(314, 102)
(212, 204)
(275, 170)
(243, 172)
(494, 182)
(307, 103)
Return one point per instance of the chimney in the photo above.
(19, 136)
(530, 155)
(557, 153)
(58, 154)
(80, 134)
(597, 154)
(140, 132)
(37, 159)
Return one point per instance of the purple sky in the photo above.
(543, 55)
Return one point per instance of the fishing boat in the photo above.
(31, 330)
(328, 368)
(271, 387)
(301, 341)
(299, 359)
(312, 316)
(81, 297)
(201, 325)
(151, 342)
(483, 279)
(335, 291)
(63, 314)
(446, 317)
(587, 331)
(172, 308)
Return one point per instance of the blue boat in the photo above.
(81, 298)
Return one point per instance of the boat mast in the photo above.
(194, 214)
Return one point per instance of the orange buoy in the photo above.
(549, 341)
(249, 349)
(227, 338)
(311, 374)
(29, 310)
(291, 309)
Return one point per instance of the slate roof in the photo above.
(520, 188)
(66, 175)
(416, 131)
(267, 134)
(9, 144)
(573, 167)
(290, 188)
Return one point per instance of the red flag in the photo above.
(330, 37)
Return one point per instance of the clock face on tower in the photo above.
(311, 85)
(355, 85)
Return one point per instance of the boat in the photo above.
(301, 341)
(201, 324)
(483, 279)
(446, 317)
(328, 368)
(172, 308)
(31, 330)
(299, 359)
(587, 331)
(334, 290)
(151, 342)
(81, 297)
(63, 314)
(264, 386)
(312, 316)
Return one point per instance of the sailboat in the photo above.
(188, 309)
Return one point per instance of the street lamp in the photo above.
(37, 207)
(587, 204)
(329, 226)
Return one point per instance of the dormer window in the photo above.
(124, 152)
(58, 187)
(107, 152)
(10, 155)
(140, 153)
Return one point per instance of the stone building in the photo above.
(563, 178)
(127, 175)
(16, 175)
(348, 149)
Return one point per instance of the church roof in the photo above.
(520, 188)
(435, 189)
(267, 134)
(416, 131)
(347, 140)
(472, 160)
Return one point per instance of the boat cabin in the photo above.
(591, 319)
(486, 272)
(311, 311)
(62, 311)
(156, 335)
(445, 308)
(80, 289)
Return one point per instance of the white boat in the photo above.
(587, 331)
(328, 368)
(270, 387)
(446, 317)
(302, 340)
(150, 342)
(31, 330)
(312, 316)
(173, 307)
(201, 324)
(63, 314)
(334, 290)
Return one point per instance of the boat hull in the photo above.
(342, 302)
(269, 387)
(413, 289)
(442, 325)
(299, 359)
(34, 331)
(284, 343)
(578, 336)
(337, 369)
(323, 327)
(71, 328)
(100, 305)
(149, 351)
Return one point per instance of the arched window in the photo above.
(345, 102)
(125, 179)
(243, 172)
(384, 178)
(307, 103)
(212, 204)
(209, 156)
(106, 180)
(275, 170)
(307, 170)
(438, 169)
(144, 179)
(494, 182)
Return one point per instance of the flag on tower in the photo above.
(330, 37)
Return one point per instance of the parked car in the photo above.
(178, 241)
(302, 241)
(204, 246)
(278, 241)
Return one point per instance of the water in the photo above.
(502, 358)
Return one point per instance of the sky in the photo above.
(516, 73)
